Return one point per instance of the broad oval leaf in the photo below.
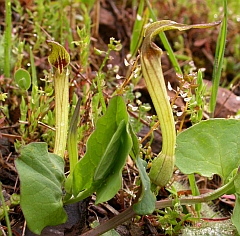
(209, 147)
(41, 177)
(23, 79)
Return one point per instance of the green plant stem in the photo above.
(129, 213)
(5, 211)
(112, 223)
(8, 31)
(61, 108)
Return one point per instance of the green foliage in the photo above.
(3, 96)
(213, 144)
(2, 55)
(146, 201)
(89, 174)
(41, 175)
(236, 211)
(211, 147)
(113, 45)
(72, 146)
(169, 220)
(23, 79)
(138, 29)
(197, 102)
(33, 109)
(83, 43)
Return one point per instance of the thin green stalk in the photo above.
(219, 57)
(113, 45)
(201, 198)
(5, 211)
(8, 31)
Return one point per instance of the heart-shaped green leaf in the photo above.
(209, 147)
(41, 177)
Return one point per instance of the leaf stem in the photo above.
(112, 223)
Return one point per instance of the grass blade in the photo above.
(8, 30)
(219, 56)
(138, 29)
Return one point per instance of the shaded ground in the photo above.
(116, 19)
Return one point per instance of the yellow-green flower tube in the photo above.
(59, 59)
(162, 166)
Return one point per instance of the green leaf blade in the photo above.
(114, 180)
(111, 151)
(89, 174)
(147, 200)
(41, 177)
(209, 147)
(23, 79)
